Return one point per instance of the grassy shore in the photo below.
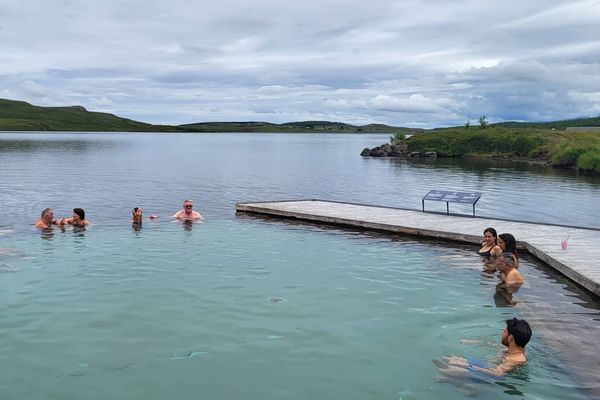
(558, 148)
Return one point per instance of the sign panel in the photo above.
(453, 197)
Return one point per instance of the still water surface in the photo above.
(108, 174)
(248, 307)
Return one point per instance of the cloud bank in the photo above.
(409, 63)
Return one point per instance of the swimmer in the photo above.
(490, 240)
(77, 220)
(46, 220)
(506, 243)
(515, 337)
(509, 273)
(137, 215)
(187, 214)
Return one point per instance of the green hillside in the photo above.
(301, 126)
(22, 116)
(556, 147)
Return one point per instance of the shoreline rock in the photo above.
(396, 149)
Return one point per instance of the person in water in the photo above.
(46, 220)
(136, 215)
(77, 220)
(187, 213)
(490, 240)
(509, 273)
(506, 243)
(515, 337)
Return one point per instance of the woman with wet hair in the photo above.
(490, 240)
(506, 243)
(77, 220)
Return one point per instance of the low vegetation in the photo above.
(558, 148)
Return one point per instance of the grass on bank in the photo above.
(558, 148)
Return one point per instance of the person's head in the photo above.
(507, 242)
(505, 262)
(490, 236)
(47, 215)
(517, 331)
(188, 205)
(78, 216)
(137, 214)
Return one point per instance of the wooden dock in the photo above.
(579, 262)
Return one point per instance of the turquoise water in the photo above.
(239, 307)
(244, 308)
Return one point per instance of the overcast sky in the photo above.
(406, 63)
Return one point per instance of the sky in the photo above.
(422, 64)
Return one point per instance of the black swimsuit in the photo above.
(487, 254)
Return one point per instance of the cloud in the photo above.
(33, 89)
(101, 101)
(402, 63)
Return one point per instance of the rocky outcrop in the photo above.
(396, 149)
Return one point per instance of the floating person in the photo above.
(187, 213)
(506, 243)
(515, 337)
(77, 220)
(509, 273)
(46, 220)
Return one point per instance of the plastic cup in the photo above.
(563, 244)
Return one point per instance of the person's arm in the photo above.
(496, 251)
(176, 215)
(500, 370)
(65, 221)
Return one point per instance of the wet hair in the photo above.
(509, 259)
(510, 244)
(45, 211)
(520, 330)
(135, 209)
(80, 212)
(493, 232)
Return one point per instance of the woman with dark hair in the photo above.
(490, 240)
(506, 243)
(77, 220)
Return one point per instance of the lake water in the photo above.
(248, 307)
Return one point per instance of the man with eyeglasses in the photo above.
(187, 213)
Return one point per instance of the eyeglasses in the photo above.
(188, 206)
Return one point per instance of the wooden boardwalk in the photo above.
(579, 262)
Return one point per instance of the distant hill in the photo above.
(301, 126)
(22, 116)
(564, 124)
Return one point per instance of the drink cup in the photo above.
(563, 244)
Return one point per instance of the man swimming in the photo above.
(187, 213)
(46, 220)
(509, 273)
(515, 337)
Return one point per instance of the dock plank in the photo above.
(578, 262)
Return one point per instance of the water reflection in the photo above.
(503, 297)
(60, 145)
